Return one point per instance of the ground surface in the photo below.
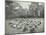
(24, 25)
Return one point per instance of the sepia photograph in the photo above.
(24, 17)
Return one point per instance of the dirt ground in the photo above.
(24, 25)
